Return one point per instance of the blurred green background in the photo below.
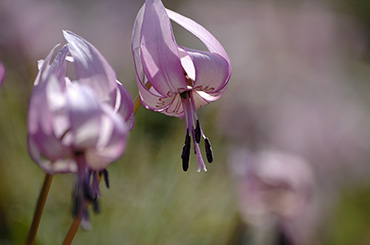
(300, 84)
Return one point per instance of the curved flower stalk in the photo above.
(176, 80)
(2, 73)
(79, 126)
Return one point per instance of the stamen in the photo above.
(183, 94)
(197, 132)
(209, 151)
(96, 206)
(95, 186)
(185, 156)
(86, 189)
(76, 206)
(106, 179)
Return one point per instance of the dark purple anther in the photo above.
(106, 179)
(197, 132)
(96, 206)
(76, 207)
(209, 151)
(185, 156)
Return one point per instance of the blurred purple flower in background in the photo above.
(78, 126)
(176, 80)
(275, 192)
(2, 73)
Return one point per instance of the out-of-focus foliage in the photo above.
(349, 223)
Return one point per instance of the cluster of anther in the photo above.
(87, 190)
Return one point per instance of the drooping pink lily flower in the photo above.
(78, 126)
(2, 73)
(176, 80)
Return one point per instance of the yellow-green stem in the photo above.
(39, 209)
(137, 104)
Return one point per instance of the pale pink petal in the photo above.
(159, 51)
(58, 66)
(199, 101)
(42, 140)
(210, 97)
(187, 63)
(211, 71)
(124, 105)
(135, 45)
(205, 36)
(84, 113)
(91, 67)
(175, 108)
(152, 101)
(111, 143)
(60, 165)
(44, 67)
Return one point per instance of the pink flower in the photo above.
(78, 126)
(182, 80)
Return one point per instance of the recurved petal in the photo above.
(124, 105)
(175, 108)
(205, 36)
(58, 66)
(135, 45)
(2, 73)
(44, 67)
(42, 141)
(61, 163)
(111, 144)
(150, 99)
(91, 67)
(211, 71)
(44, 146)
(153, 100)
(159, 51)
(201, 99)
(84, 113)
(209, 97)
